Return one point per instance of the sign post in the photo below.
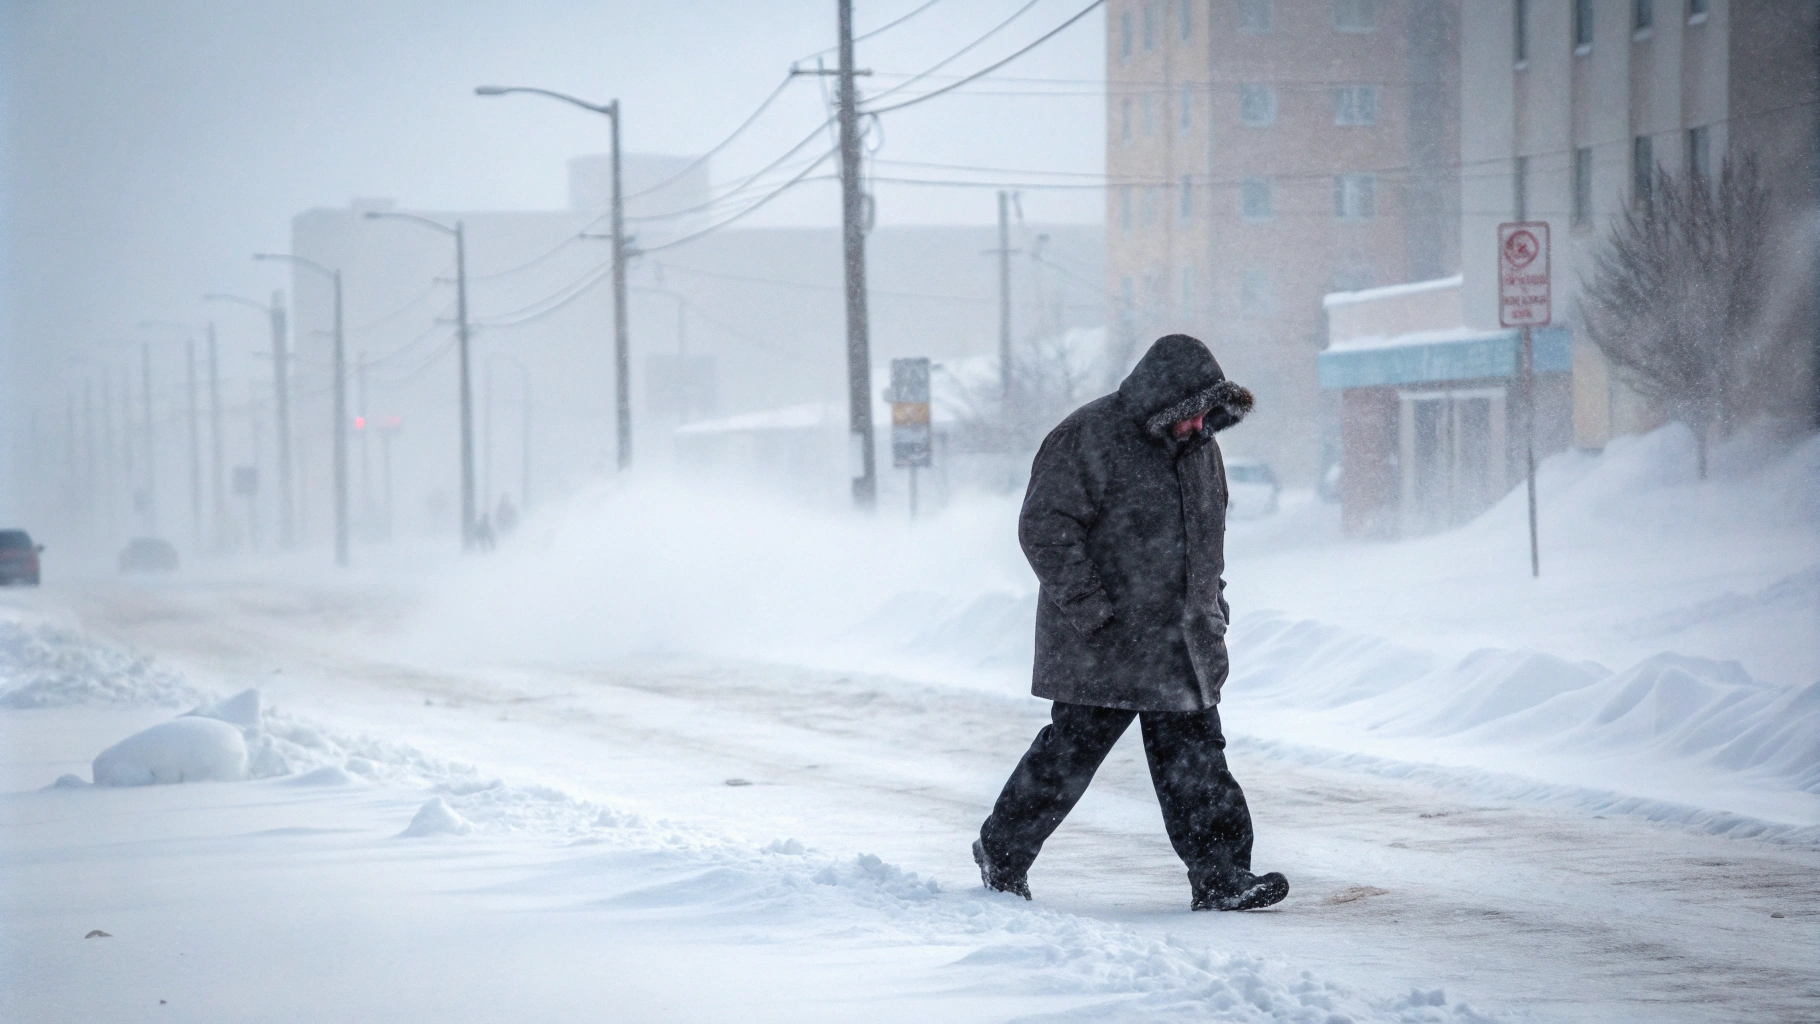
(1525, 300)
(911, 445)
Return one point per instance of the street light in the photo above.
(281, 392)
(468, 512)
(341, 400)
(622, 360)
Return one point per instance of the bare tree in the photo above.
(1676, 294)
(1050, 377)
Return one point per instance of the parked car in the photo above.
(18, 558)
(148, 554)
(1251, 489)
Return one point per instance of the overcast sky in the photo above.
(150, 148)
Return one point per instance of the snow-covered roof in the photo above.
(1438, 336)
(806, 416)
(1390, 291)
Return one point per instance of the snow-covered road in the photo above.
(1411, 899)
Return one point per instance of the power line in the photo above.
(710, 229)
(956, 55)
(988, 69)
(723, 144)
(886, 27)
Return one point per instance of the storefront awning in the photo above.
(1435, 356)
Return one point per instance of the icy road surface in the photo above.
(270, 900)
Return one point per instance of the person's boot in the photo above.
(1251, 893)
(996, 879)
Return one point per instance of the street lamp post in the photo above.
(281, 394)
(468, 511)
(622, 360)
(341, 400)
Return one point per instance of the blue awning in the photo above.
(1431, 357)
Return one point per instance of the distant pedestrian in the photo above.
(1124, 522)
(483, 533)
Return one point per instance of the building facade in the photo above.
(1261, 154)
(1575, 108)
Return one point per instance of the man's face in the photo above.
(1189, 426)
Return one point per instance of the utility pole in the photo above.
(189, 359)
(1004, 297)
(107, 456)
(467, 382)
(89, 457)
(281, 364)
(217, 484)
(364, 426)
(341, 432)
(151, 474)
(486, 437)
(853, 243)
(622, 358)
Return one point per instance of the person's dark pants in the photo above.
(1203, 808)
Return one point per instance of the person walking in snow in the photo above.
(1124, 522)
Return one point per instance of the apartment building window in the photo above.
(1353, 279)
(1519, 188)
(1355, 196)
(1257, 105)
(1125, 120)
(1582, 26)
(1254, 199)
(1186, 7)
(1187, 199)
(1125, 36)
(1521, 31)
(1696, 11)
(1642, 15)
(1149, 27)
(1355, 106)
(1125, 208)
(1149, 205)
(1699, 153)
(1254, 289)
(1355, 15)
(1583, 186)
(1149, 115)
(1255, 17)
(1185, 118)
(1642, 170)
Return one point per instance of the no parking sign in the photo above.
(1524, 298)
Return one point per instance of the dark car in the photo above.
(18, 558)
(148, 554)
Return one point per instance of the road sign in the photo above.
(910, 437)
(1524, 298)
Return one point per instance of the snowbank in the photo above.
(45, 666)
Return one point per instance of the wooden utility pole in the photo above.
(853, 242)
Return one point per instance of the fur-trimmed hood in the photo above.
(1179, 379)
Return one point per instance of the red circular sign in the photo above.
(1521, 249)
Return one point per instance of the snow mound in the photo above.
(327, 775)
(181, 750)
(242, 709)
(436, 818)
(45, 667)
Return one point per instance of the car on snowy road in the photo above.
(18, 558)
(148, 554)
(1251, 489)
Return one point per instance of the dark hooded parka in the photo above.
(1125, 525)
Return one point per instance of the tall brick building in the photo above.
(1261, 154)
